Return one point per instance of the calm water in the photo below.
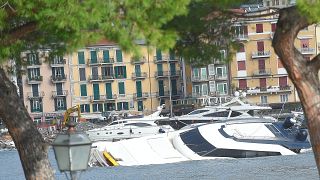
(300, 166)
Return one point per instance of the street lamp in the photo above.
(72, 150)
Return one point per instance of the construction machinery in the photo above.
(66, 117)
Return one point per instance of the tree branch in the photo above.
(315, 63)
(19, 33)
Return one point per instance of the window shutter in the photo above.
(158, 54)
(119, 55)
(283, 81)
(116, 75)
(242, 84)
(106, 56)
(81, 58)
(121, 88)
(124, 71)
(139, 88)
(93, 55)
(109, 90)
(83, 90)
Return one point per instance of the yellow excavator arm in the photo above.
(66, 117)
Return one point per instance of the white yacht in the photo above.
(234, 110)
(127, 128)
(233, 139)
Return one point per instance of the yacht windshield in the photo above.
(197, 112)
(138, 124)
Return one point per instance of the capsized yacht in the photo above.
(228, 139)
(130, 127)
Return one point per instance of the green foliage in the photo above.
(204, 31)
(310, 8)
(65, 25)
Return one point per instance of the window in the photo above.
(304, 43)
(59, 89)
(34, 74)
(241, 65)
(107, 71)
(96, 91)
(82, 73)
(263, 82)
(106, 56)
(93, 56)
(97, 107)
(119, 55)
(158, 54)
(260, 47)
(35, 90)
(284, 98)
(60, 104)
(212, 86)
(196, 90)
(32, 58)
(121, 88)
(259, 28)
(85, 108)
(197, 112)
(204, 89)
(242, 84)
(264, 99)
(123, 106)
(140, 105)
(261, 64)
(221, 71)
(83, 90)
(211, 69)
(36, 105)
(120, 72)
(241, 31)
(283, 81)
(273, 27)
(217, 114)
(222, 88)
(94, 73)
(195, 72)
(203, 73)
(241, 48)
(81, 59)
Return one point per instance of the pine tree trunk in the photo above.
(32, 148)
(303, 73)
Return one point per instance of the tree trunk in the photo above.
(32, 148)
(303, 73)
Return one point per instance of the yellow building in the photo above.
(257, 70)
(105, 78)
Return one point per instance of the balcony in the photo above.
(35, 80)
(99, 61)
(198, 79)
(35, 95)
(260, 54)
(57, 62)
(241, 37)
(270, 89)
(262, 72)
(162, 94)
(135, 60)
(59, 78)
(61, 93)
(141, 75)
(103, 98)
(142, 95)
(97, 78)
(33, 64)
(161, 59)
(307, 50)
(162, 74)
(221, 77)
(174, 59)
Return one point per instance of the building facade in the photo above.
(257, 70)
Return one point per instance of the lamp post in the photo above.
(72, 151)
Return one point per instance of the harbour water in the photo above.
(300, 166)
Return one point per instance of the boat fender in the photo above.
(302, 135)
(287, 123)
(161, 130)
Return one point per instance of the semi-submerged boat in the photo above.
(130, 127)
(228, 139)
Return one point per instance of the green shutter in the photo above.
(172, 69)
(140, 105)
(161, 88)
(139, 88)
(81, 58)
(94, 108)
(174, 87)
(83, 90)
(125, 105)
(87, 107)
(119, 106)
(124, 71)
(160, 69)
(109, 90)
(116, 75)
(106, 57)
(96, 92)
(119, 55)
(93, 55)
(159, 54)
(121, 88)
